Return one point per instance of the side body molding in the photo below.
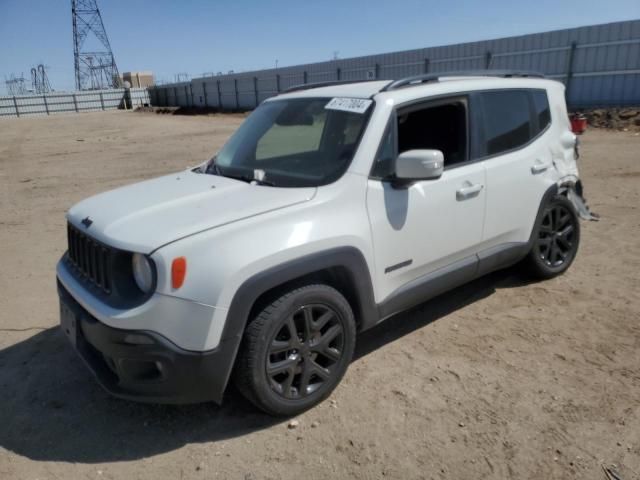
(463, 271)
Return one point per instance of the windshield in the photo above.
(293, 143)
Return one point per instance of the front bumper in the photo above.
(144, 366)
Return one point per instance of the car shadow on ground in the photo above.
(52, 409)
(404, 323)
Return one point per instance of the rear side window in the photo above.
(507, 120)
(541, 110)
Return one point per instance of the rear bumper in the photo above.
(144, 366)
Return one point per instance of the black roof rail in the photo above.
(308, 86)
(434, 77)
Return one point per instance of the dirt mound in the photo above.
(187, 110)
(624, 119)
(165, 110)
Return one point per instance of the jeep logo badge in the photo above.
(87, 222)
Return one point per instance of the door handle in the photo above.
(540, 167)
(468, 192)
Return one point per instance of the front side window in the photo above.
(441, 126)
(296, 143)
(507, 120)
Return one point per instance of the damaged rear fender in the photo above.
(573, 191)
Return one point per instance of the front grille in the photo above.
(89, 258)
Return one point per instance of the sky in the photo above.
(197, 36)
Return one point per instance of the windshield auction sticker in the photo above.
(353, 105)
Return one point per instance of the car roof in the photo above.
(448, 84)
(353, 90)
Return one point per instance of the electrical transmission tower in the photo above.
(15, 85)
(39, 80)
(181, 77)
(94, 63)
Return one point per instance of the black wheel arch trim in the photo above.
(350, 259)
(551, 192)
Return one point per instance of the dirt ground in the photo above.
(498, 379)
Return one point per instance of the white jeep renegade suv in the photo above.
(332, 208)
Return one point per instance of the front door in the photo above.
(432, 224)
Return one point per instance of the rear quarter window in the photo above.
(541, 110)
(506, 117)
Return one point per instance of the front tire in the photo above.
(555, 241)
(296, 350)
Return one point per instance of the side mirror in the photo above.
(415, 165)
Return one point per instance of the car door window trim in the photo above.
(475, 130)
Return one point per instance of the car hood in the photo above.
(145, 216)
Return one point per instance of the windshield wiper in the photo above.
(254, 180)
(215, 169)
(259, 178)
(262, 182)
(244, 178)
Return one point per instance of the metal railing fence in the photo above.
(81, 101)
(600, 66)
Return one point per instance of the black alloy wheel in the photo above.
(296, 350)
(556, 236)
(305, 351)
(555, 240)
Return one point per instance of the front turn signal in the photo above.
(178, 272)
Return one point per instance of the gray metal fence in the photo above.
(83, 101)
(599, 64)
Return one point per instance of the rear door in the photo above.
(512, 126)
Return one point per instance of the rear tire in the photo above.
(555, 241)
(296, 350)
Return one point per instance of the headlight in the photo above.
(142, 272)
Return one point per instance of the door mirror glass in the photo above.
(420, 165)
